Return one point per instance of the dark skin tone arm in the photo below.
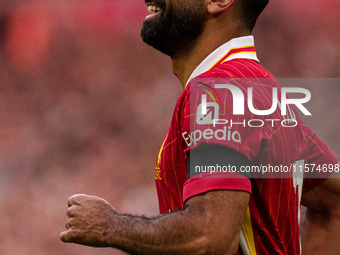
(320, 229)
(209, 224)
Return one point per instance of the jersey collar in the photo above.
(241, 47)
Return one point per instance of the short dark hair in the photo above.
(251, 10)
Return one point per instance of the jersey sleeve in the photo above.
(321, 158)
(214, 161)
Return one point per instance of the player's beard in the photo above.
(175, 29)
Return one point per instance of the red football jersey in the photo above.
(271, 224)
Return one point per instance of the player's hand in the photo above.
(90, 221)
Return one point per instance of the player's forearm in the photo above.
(320, 233)
(169, 234)
(198, 229)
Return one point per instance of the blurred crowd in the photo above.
(84, 105)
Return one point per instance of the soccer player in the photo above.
(226, 212)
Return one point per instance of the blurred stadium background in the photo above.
(84, 105)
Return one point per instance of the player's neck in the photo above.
(185, 62)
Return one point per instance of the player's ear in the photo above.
(218, 6)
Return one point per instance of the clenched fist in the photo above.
(90, 221)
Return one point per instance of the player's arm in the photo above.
(209, 224)
(320, 228)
